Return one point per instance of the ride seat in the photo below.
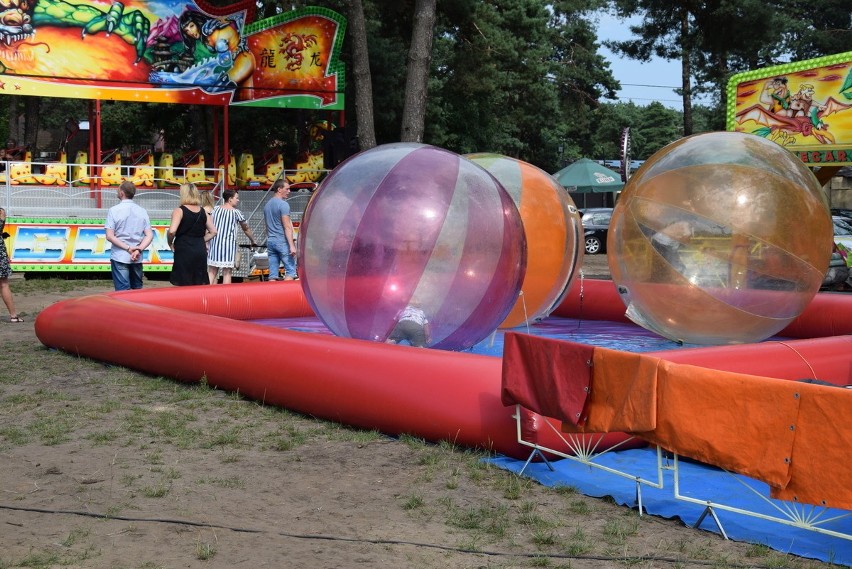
(55, 173)
(80, 169)
(143, 172)
(111, 167)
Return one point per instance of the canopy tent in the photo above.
(588, 177)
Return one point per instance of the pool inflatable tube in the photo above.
(189, 333)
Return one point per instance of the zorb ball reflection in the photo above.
(719, 238)
(410, 225)
(554, 234)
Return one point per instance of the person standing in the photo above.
(189, 231)
(128, 229)
(208, 202)
(280, 243)
(223, 247)
(5, 273)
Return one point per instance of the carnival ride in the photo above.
(67, 196)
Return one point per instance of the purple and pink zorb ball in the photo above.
(412, 225)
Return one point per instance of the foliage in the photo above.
(651, 128)
(813, 30)
(509, 77)
(719, 38)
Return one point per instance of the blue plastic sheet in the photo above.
(703, 482)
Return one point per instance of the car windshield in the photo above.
(597, 218)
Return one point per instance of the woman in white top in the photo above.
(223, 247)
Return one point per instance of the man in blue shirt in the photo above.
(128, 230)
(280, 244)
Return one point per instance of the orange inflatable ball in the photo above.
(554, 234)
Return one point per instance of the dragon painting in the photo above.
(292, 45)
(20, 18)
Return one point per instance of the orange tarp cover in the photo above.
(792, 435)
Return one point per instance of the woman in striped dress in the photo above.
(223, 247)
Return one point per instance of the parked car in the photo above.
(841, 212)
(838, 272)
(842, 230)
(595, 226)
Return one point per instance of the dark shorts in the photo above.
(410, 331)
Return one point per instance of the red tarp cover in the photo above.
(791, 435)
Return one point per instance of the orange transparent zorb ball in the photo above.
(554, 234)
(720, 238)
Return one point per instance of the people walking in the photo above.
(222, 252)
(280, 241)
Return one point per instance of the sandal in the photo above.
(15, 319)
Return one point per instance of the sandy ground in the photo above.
(210, 480)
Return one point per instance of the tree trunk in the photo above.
(361, 75)
(417, 81)
(32, 105)
(685, 73)
(15, 131)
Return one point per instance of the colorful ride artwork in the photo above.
(173, 52)
(176, 51)
(39, 245)
(805, 106)
(67, 243)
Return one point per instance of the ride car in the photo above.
(595, 227)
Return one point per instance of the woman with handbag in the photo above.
(190, 230)
(6, 272)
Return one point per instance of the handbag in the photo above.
(238, 257)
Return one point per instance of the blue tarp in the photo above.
(703, 482)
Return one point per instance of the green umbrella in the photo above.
(587, 176)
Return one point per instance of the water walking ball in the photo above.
(554, 235)
(719, 238)
(411, 225)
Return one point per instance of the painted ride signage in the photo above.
(173, 51)
(805, 106)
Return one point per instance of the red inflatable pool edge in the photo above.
(192, 332)
(188, 333)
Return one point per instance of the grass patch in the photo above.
(205, 551)
(616, 531)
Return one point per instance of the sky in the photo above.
(642, 83)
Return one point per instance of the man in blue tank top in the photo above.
(280, 244)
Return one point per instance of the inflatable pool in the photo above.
(190, 333)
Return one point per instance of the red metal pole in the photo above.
(98, 140)
(227, 148)
(215, 112)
